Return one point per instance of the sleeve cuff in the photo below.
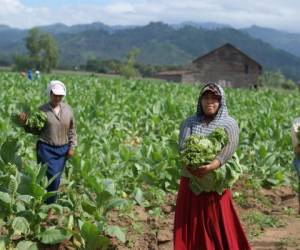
(220, 159)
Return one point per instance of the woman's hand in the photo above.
(203, 170)
(23, 118)
(297, 150)
(70, 153)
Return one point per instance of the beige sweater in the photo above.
(60, 128)
(295, 125)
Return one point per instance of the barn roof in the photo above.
(226, 45)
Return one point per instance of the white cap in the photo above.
(57, 88)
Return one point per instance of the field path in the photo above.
(152, 233)
(286, 237)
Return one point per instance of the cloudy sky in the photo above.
(279, 14)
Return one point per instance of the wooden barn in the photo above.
(226, 65)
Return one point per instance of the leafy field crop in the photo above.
(126, 154)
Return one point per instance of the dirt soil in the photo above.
(279, 227)
(285, 207)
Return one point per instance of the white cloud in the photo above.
(120, 8)
(280, 14)
(11, 7)
(14, 13)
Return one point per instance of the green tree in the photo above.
(48, 52)
(276, 80)
(42, 50)
(33, 46)
(128, 69)
(21, 62)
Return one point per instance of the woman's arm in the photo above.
(233, 140)
(224, 155)
(72, 137)
(184, 132)
(297, 150)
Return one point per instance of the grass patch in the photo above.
(256, 222)
(287, 242)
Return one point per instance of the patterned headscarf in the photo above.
(195, 125)
(218, 90)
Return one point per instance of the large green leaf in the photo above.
(9, 149)
(25, 186)
(93, 239)
(103, 198)
(38, 192)
(5, 198)
(58, 208)
(88, 207)
(25, 198)
(49, 194)
(20, 226)
(139, 196)
(26, 245)
(41, 173)
(109, 186)
(53, 236)
(114, 203)
(2, 244)
(117, 232)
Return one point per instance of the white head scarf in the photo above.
(57, 87)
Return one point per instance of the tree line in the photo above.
(128, 67)
(43, 55)
(42, 52)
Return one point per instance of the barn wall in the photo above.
(228, 67)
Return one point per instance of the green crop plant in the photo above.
(127, 149)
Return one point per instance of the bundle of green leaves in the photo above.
(198, 151)
(35, 121)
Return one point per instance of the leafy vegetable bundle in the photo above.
(35, 119)
(198, 151)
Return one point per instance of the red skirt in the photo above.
(207, 221)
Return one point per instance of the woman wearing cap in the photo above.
(208, 220)
(58, 137)
(296, 147)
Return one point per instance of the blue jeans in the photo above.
(296, 164)
(55, 158)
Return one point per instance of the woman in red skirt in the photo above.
(208, 221)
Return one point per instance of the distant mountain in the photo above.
(12, 40)
(62, 28)
(205, 25)
(4, 27)
(279, 39)
(159, 44)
